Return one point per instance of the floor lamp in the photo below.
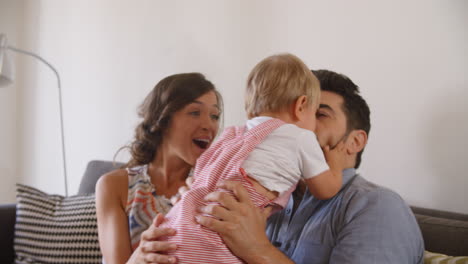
(7, 77)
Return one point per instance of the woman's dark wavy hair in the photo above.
(170, 95)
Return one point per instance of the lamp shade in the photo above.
(6, 67)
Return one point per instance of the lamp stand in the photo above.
(60, 106)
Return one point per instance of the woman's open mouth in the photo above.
(202, 143)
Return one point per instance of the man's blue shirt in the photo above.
(363, 223)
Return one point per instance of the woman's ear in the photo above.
(357, 140)
(300, 106)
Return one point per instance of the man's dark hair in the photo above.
(355, 107)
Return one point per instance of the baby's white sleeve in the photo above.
(311, 158)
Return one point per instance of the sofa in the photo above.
(443, 232)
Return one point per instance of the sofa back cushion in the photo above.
(443, 232)
(94, 170)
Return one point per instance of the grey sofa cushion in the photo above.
(94, 170)
(443, 232)
(439, 213)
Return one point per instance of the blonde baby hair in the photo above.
(276, 82)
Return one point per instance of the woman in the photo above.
(180, 120)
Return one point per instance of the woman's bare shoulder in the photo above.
(114, 183)
(114, 178)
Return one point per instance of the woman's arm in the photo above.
(241, 225)
(113, 230)
(114, 238)
(147, 251)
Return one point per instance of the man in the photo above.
(363, 223)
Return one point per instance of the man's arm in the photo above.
(378, 228)
(241, 225)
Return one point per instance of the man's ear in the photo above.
(300, 106)
(357, 140)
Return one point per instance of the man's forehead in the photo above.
(331, 101)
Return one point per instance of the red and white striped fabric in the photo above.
(222, 161)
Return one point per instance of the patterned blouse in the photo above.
(142, 203)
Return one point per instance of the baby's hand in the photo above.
(336, 157)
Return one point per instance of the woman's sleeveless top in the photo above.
(143, 204)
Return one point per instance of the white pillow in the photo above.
(54, 228)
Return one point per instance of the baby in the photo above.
(269, 156)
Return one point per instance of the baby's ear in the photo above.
(357, 140)
(300, 105)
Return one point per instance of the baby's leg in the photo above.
(271, 195)
(262, 190)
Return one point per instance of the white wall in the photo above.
(11, 21)
(408, 57)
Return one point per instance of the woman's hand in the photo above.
(147, 250)
(239, 222)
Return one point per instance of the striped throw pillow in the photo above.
(437, 258)
(54, 228)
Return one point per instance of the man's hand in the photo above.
(240, 223)
(147, 251)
